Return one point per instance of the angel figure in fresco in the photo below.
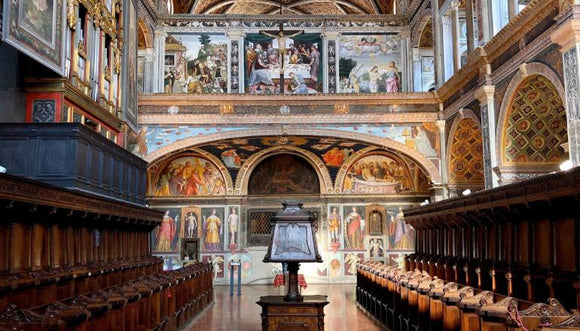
(215, 261)
(213, 228)
(352, 259)
(165, 233)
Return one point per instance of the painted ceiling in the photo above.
(294, 7)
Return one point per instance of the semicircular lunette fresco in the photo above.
(381, 173)
(284, 174)
(187, 175)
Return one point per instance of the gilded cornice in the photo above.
(167, 119)
(289, 99)
(75, 96)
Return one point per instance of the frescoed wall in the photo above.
(284, 174)
(190, 175)
(195, 63)
(299, 58)
(369, 63)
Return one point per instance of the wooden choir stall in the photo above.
(507, 258)
(74, 260)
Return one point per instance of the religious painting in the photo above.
(334, 265)
(231, 158)
(232, 222)
(36, 28)
(400, 235)
(245, 261)
(375, 216)
(424, 139)
(296, 57)
(369, 63)
(284, 174)
(350, 262)
(195, 63)
(191, 217)
(130, 66)
(188, 176)
(213, 229)
(336, 156)
(376, 248)
(217, 262)
(334, 227)
(354, 227)
(165, 237)
(189, 249)
(377, 174)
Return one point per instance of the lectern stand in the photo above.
(281, 315)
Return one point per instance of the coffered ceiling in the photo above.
(294, 7)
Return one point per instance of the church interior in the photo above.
(423, 152)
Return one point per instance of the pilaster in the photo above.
(485, 95)
(235, 60)
(455, 35)
(159, 71)
(417, 70)
(447, 38)
(438, 45)
(330, 67)
(406, 61)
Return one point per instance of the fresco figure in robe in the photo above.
(334, 225)
(165, 233)
(354, 230)
(233, 225)
(213, 228)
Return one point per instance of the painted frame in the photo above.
(37, 28)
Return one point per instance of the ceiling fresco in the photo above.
(296, 7)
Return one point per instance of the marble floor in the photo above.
(242, 313)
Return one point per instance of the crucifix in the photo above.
(281, 37)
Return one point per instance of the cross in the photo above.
(281, 37)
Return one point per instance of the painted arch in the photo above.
(465, 151)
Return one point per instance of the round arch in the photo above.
(245, 172)
(427, 165)
(463, 115)
(157, 166)
(144, 30)
(526, 70)
(420, 27)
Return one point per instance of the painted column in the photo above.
(235, 61)
(568, 37)
(448, 62)
(486, 22)
(406, 61)
(149, 69)
(488, 131)
(159, 69)
(441, 125)
(417, 70)
(331, 66)
(455, 35)
(437, 45)
(470, 26)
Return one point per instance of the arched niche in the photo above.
(283, 174)
(324, 182)
(465, 152)
(534, 124)
(193, 173)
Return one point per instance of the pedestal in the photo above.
(280, 315)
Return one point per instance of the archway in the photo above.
(465, 157)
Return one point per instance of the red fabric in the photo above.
(279, 280)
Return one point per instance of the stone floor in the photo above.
(242, 313)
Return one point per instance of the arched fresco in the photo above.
(284, 174)
(535, 124)
(187, 174)
(375, 171)
(465, 151)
